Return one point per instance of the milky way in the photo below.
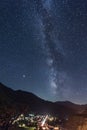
(53, 50)
(43, 48)
(60, 80)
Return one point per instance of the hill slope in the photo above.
(23, 101)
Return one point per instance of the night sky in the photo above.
(43, 48)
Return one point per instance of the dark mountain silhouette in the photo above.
(22, 101)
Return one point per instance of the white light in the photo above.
(23, 75)
(23, 125)
(43, 122)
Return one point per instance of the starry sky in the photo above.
(43, 48)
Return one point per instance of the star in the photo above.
(44, 43)
(24, 76)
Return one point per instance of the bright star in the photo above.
(24, 76)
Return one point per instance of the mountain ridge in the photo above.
(20, 100)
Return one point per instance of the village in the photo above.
(36, 122)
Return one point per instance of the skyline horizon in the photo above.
(9, 87)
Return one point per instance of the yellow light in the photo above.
(56, 128)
